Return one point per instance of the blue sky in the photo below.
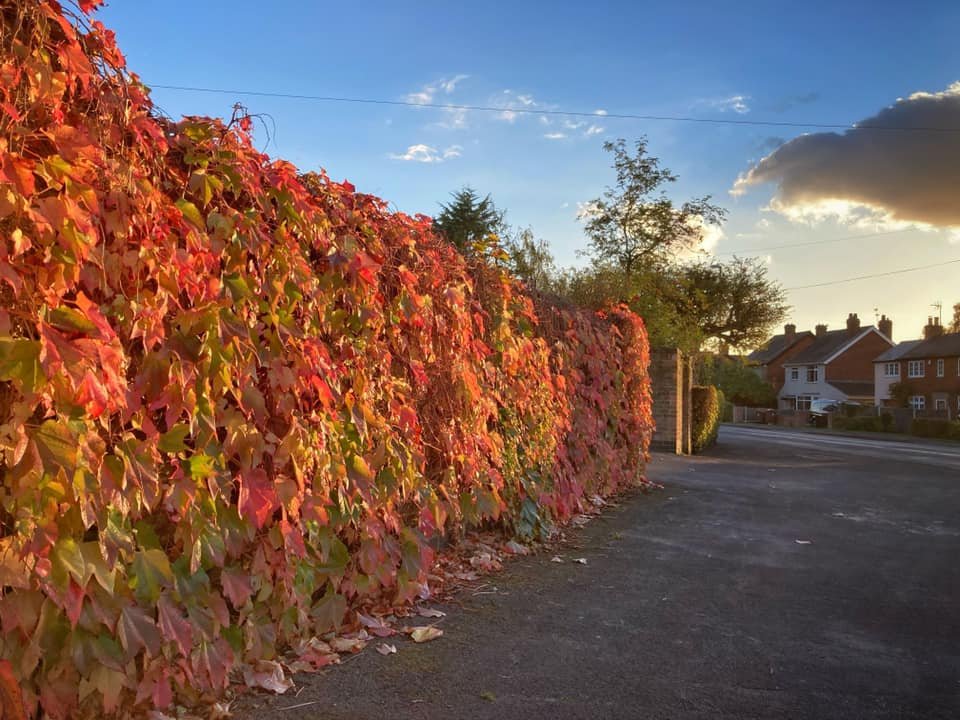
(765, 61)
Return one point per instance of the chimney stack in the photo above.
(821, 330)
(933, 328)
(885, 325)
(790, 331)
(853, 324)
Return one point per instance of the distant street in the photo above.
(927, 453)
(781, 575)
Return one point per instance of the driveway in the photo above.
(781, 575)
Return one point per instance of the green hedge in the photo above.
(870, 424)
(706, 402)
(935, 428)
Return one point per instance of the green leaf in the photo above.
(237, 286)
(204, 185)
(201, 467)
(191, 213)
(335, 553)
(67, 552)
(20, 362)
(66, 318)
(57, 444)
(172, 441)
(150, 572)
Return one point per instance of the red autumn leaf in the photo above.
(258, 499)
(236, 586)
(174, 626)
(18, 172)
(88, 6)
(136, 631)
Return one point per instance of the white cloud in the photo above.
(574, 125)
(513, 103)
(734, 103)
(427, 154)
(593, 130)
(555, 136)
(427, 94)
(600, 112)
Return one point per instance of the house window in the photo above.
(940, 404)
(891, 369)
(918, 402)
(939, 367)
(795, 372)
(803, 402)
(813, 374)
(915, 368)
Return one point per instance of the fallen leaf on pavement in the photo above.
(430, 613)
(385, 649)
(516, 548)
(582, 561)
(220, 710)
(347, 645)
(804, 542)
(488, 696)
(556, 558)
(376, 626)
(268, 675)
(425, 634)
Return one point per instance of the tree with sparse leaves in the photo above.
(529, 259)
(468, 220)
(635, 225)
(955, 323)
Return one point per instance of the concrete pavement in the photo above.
(781, 575)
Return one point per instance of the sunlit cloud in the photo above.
(555, 136)
(906, 176)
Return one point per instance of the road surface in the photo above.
(781, 575)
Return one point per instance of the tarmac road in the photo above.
(780, 575)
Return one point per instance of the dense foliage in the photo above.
(738, 382)
(236, 402)
(706, 403)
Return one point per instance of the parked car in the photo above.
(821, 408)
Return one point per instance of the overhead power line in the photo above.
(562, 113)
(876, 275)
(814, 242)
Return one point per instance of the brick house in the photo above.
(837, 365)
(768, 360)
(932, 371)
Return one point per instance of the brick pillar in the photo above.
(686, 404)
(667, 379)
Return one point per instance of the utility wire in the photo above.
(562, 113)
(814, 242)
(876, 275)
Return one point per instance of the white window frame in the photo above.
(940, 367)
(891, 369)
(795, 372)
(802, 402)
(918, 402)
(915, 368)
(940, 404)
(815, 369)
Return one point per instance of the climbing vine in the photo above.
(236, 401)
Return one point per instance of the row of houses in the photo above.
(862, 364)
